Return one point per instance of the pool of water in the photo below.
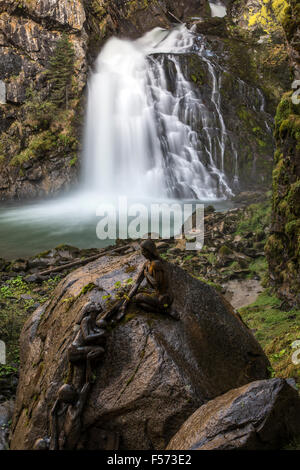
(28, 229)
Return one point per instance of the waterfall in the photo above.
(165, 119)
(217, 8)
(141, 139)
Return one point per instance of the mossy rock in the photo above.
(225, 251)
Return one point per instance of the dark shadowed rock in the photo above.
(156, 371)
(261, 415)
(6, 412)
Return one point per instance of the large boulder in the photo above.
(261, 415)
(156, 371)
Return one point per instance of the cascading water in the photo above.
(149, 134)
(217, 8)
(157, 127)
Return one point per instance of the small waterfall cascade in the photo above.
(217, 8)
(150, 132)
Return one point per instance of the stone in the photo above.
(156, 371)
(34, 278)
(6, 412)
(19, 265)
(262, 415)
(162, 246)
(25, 297)
(64, 13)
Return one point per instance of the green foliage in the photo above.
(276, 330)
(7, 370)
(37, 147)
(196, 70)
(60, 72)
(88, 288)
(48, 117)
(225, 251)
(258, 267)
(216, 286)
(40, 112)
(256, 218)
(15, 309)
(211, 257)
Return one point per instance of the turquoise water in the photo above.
(31, 228)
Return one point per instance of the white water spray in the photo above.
(140, 138)
(217, 8)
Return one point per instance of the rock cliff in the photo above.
(36, 158)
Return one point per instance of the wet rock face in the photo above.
(282, 248)
(39, 179)
(60, 13)
(156, 371)
(263, 415)
(29, 33)
(10, 63)
(67, 13)
(135, 18)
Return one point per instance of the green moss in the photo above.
(88, 288)
(275, 330)
(258, 267)
(290, 20)
(241, 57)
(245, 115)
(282, 247)
(15, 310)
(196, 70)
(73, 161)
(38, 145)
(128, 317)
(216, 286)
(274, 245)
(261, 143)
(133, 5)
(225, 251)
(267, 16)
(256, 217)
